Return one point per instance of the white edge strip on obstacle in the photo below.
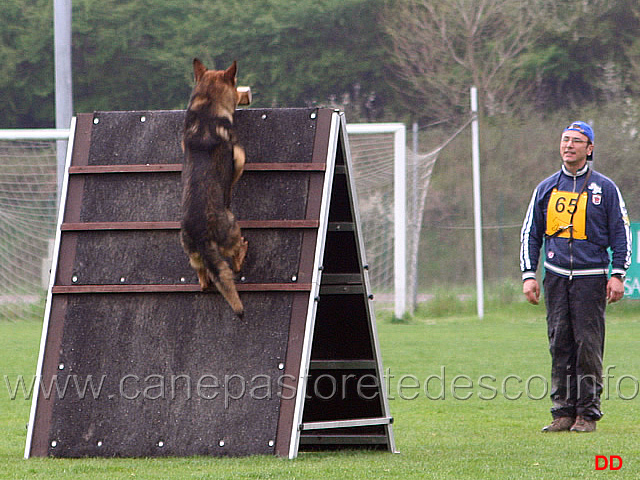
(367, 285)
(315, 287)
(54, 266)
(399, 205)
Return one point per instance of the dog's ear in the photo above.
(198, 69)
(230, 73)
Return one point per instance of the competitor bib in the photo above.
(562, 206)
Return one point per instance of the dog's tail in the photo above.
(221, 275)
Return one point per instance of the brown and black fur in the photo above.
(213, 162)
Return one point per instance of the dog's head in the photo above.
(215, 90)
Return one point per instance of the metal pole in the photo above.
(477, 208)
(63, 78)
(400, 223)
(415, 221)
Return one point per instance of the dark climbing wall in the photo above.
(151, 365)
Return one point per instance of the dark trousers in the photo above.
(575, 323)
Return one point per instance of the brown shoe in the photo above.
(560, 424)
(584, 425)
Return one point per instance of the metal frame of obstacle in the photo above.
(136, 361)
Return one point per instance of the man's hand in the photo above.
(615, 290)
(531, 290)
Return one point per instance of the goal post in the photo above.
(398, 130)
(34, 134)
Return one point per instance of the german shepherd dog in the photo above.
(213, 162)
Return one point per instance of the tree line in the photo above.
(376, 59)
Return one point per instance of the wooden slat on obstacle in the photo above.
(136, 361)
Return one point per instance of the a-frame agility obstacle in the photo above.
(136, 361)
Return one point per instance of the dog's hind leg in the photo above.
(239, 158)
(239, 254)
(237, 249)
(198, 265)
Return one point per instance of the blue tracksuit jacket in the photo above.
(577, 230)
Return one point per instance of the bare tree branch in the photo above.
(442, 47)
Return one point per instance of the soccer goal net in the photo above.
(391, 183)
(28, 189)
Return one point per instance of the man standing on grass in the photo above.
(579, 213)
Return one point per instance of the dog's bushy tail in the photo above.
(221, 275)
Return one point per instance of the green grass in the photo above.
(492, 434)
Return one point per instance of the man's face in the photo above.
(574, 148)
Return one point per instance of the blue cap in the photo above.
(585, 129)
(582, 127)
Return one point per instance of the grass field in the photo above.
(479, 418)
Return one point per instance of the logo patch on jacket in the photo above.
(596, 193)
(595, 188)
